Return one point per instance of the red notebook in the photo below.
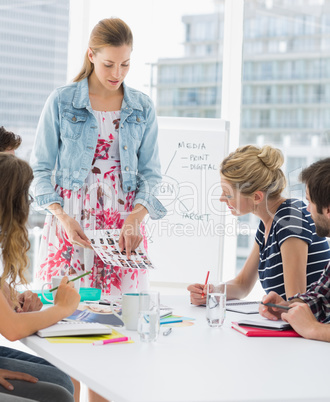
(253, 331)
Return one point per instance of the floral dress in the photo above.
(99, 204)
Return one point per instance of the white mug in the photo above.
(129, 310)
(56, 280)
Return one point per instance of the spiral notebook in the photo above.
(69, 328)
(243, 306)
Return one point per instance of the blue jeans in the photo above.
(15, 360)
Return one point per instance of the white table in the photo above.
(197, 363)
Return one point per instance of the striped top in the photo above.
(290, 220)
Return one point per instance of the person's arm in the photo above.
(72, 228)
(15, 326)
(28, 301)
(294, 253)
(14, 375)
(241, 286)
(149, 169)
(23, 302)
(130, 235)
(44, 154)
(198, 293)
(238, 287)
(302, 320)
(274, 313)
(318, 296)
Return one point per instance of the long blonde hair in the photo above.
(107, 32)
(16, 176)
(251, 169)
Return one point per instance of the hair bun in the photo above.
(272, 158)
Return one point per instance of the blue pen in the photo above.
(170, 320)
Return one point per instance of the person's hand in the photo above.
(302, 320)
(130, 235)
(14, 375)
(198, 293)
(272, 313)
(28, 301)
(67, 296)
(74, 232)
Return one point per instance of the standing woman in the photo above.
(287, 255)
(100, 136)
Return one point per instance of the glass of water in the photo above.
(216, 305)
(148, 322)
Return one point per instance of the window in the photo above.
(285, 72)
(298, 70)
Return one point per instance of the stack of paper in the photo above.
(261, 326)
(64, 328)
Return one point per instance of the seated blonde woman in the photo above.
(287, 255)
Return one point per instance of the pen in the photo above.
(104, 303)
(73, 279)
(207, 278)
(276, 305)
(123, 339)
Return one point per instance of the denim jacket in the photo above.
(66, 140)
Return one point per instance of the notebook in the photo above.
(241, 306)
(262, 322)
(95, 314)
(253, 331)
(63, 328)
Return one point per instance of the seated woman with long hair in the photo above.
(23, 376)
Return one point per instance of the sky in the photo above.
(156, 25)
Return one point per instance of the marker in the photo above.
(276, 305)
(170, 321)
(73, 279)
(123, 339)
(207, 278)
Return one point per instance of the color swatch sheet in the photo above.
(106, 244)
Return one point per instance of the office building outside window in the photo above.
(33, 61)
(285, 81)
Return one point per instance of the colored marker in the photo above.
(170, 321)
(73, 279)
(206, 280)
(123, 339)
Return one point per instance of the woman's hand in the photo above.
(198, 293)
(74, 232)
(28, 301)
(72, 228)
(14, 375)
(130, 235)
(66, 296)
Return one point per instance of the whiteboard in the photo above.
(188, 241)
